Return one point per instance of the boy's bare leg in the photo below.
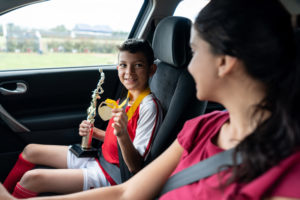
(53, 180)
(49, 155)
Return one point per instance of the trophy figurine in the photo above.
(86, 149)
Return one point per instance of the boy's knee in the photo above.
(29, 152)
(32, 179)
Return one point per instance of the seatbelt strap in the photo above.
(111, 169)
(125, 173)
(200, 170)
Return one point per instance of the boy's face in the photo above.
(134, 71)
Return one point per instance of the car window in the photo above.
(65, 33)
(190, 8)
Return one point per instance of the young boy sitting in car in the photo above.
(132, 128)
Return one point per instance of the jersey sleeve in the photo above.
(150, 117)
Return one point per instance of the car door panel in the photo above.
(54, 104)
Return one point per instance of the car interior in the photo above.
(54, 100)
(172, 84)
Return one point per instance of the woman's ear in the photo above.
(226, 65)
(153, 69)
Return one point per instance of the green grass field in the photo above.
(11, 61)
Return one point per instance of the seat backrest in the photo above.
(172, 84)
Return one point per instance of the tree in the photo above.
(60, 28)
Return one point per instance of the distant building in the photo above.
(84, 29)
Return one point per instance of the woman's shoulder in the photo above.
(201, 128)
(288, 181)
(282, 180)
(209, 117)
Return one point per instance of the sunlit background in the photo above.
(65, 33)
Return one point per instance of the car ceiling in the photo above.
(8, 5)
(292, 5)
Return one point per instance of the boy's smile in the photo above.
(133, 71)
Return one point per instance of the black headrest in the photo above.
(297, 36)
(297, 41)
(171, 41)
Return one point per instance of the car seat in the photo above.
(171, 84)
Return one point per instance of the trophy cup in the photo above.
(86, 149)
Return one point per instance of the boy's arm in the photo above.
(134, 152)
(131, 156)
(98, 134)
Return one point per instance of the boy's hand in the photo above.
(120, 121)
(84, 128)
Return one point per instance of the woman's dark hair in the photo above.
(260, 34)
(138, 45)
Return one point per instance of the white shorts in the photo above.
(92, 173)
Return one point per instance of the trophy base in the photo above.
(82, 152)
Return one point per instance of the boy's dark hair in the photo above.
(138, 45)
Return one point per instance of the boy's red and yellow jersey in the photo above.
(141, 128)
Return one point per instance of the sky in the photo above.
(118, 14)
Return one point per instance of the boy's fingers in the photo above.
(116, 119)
(85, 122)
(120, 125)
(120, 119)
(118, 128)
(117, 110)
(120, 114)
(82, 133)
(84, 127)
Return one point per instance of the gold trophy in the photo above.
(86, 149)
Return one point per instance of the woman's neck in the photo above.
(241, 102)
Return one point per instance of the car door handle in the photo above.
(20, 89)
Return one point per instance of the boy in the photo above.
(133, 129)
